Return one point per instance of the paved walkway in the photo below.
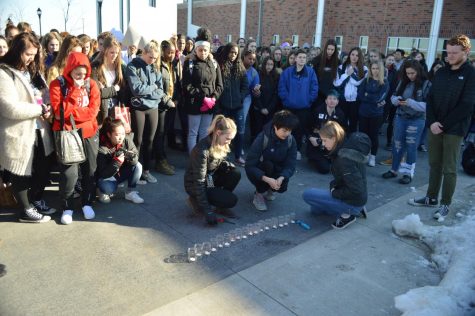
(129, 259)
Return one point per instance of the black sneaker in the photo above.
(32, 216)
(363, 213)
(211, 218)
(343, 222)
(442, 211)
(406, 179)
(42, 208)
(389, 174)
(423, 201)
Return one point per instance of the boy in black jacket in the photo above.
(271, 158)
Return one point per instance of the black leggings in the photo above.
(69, 176)
(224, 184)
(269, 171)
(370, 126)
(31, 188)
(144, 126)
(351, 110)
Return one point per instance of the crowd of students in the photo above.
(291, 97)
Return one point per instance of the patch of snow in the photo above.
(453, 254)
(411, 226)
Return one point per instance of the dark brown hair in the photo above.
(18, 45)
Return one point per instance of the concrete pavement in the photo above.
(129, 259)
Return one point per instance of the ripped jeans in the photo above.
(407, 134)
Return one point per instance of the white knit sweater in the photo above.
(18, 114)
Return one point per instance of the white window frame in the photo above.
(229, 38)
(295, 40)
(364, 48)
(276, 39)
(339, 42)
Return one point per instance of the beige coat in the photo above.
(18, 115)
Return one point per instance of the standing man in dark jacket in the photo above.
(450, 107)
(271, 158)
(298, 89)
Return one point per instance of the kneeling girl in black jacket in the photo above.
(348, 191)
(117, 162)
(209, 179)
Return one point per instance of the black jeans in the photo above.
(144, 126)
(370, 126)
(269, 171)
(303, 128)
(224, 184)
(69, 176)
(172, 133)
(351, 110)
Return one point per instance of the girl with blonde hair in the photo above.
(107, 71)
(372, 94)
(209, 178)
(145, 83)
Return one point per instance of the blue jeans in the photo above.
(322, 202)
(197, 127)
(407, 133)
(238, 117)
(128, 173)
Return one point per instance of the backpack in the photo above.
(64, 86)
(468, 159)
(265, 143)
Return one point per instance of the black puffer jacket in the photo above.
(200, 164)
(235, 89)
(349, 170)
(452, 98)
(107, 164)
(201, 78)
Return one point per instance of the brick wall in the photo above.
(376, 19)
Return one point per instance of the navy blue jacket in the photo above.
(298, 91)
(277, 151)
(370, 93)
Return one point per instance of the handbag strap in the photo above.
(61, 115)
(73, 123)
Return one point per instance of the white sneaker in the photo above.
(88, 212)
(372, 161)
(259, 202)
(299, 155)
(134, 197)
(104, 198)
(67, 217)
(270, 195)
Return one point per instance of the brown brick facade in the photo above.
(376, 19)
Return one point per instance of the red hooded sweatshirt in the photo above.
(83, 107)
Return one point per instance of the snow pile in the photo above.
(453, 253)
